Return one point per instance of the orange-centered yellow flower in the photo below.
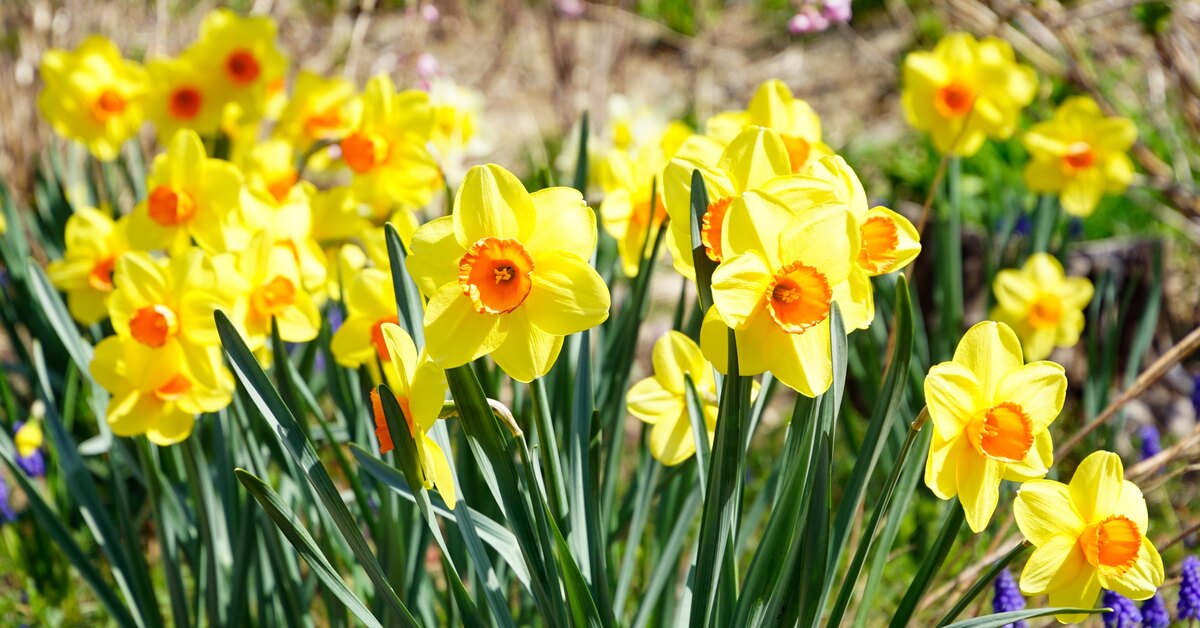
(420, 388)
(320, 109)
(370, 303)
(189, 194)
(386, 151)
(754, 157)
(1080, 154)
(626, 210)
(774, 107)
(661, 400)
(271, 286)
(94, 242)
(965, 91)
(990, 414)
(507, 274)
(1042, 304)
(92, 95)
(181, 96)
(1089, 534)
(777, 290)
(240, 56)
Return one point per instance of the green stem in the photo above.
(216, 571)
(1044, 222)
(548, 443)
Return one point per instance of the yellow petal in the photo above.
(564, 223)
(436, 466)
(492, 203)
(527, 351)
(1014, 291)
(671, 440)
(1096, 485)
(979, 489)
(1040, 388)
(455, 333)
(428, 392)
(402, 364)
(1048, 563)
(804, 364)
(1043, 511)
(567, 296)
(1079, 588)
(651, 401)
(739, 287)
(674, 355)
(754, 157)
(1143, 579)
(1082, 193)
(953, 397)
(941, 466)
(171, 427)
(989, 350)
(834, 229)
(753, 223)
(435, 255)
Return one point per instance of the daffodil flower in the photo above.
(386, 151)
(1042, 304)
(754, 157)
(93, 96)
(370, 304)
(966, 91)
(1080, 154)
(155, 390)
(777, 291)
(420, 388)
(625, 211)
(181, 96)
(507, 274)
(268, 277)
(320, 110)
(189, 194)
(241, 57)
(94, 242)
(990, 414)
(1089, 534)
(774, 107)
(661, 400)
(457, 117)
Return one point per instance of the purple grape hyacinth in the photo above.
(1189, 590)
(1124, 614)
(1007, 596)
(1154, 613)
(1151, 442)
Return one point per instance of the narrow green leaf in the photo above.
(1004, 619)
(273, 410)
(289, 523)
(703, 264)
(930, 567)
(581, 160)
(695, 411)
(408, 298)
(982, 582)
(668, 561)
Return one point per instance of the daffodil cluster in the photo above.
(266, 202)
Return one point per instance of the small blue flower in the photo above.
(7, 515)
(1075, 228)
(1151, 444)
(1023, 226)
(1154, 613)
(1125, 613)
(1196, 394)
(1007, 596)
(1189, 590)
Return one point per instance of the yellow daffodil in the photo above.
(240, 56)
(158, 305)
(420, 388)
(1089, 534)
(507, 274)
(661, 400)
(337, 216)
(1042, 304)
(154, 389)
(370, 303)
(29, 437)
(457, 113)
(774, 107)
(386, 150)
(93, 96)
(1080, 154)
(965, 91)
(887, 241)
(990, 414)
(190, 195)
(273, 288)
(94, 242)
(320, 110)
(754, 157)
(181, 97)
(777, 288)
(625, 211)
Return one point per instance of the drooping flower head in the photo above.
(990, 414)
(420, 389)
(507, 274)
(965, 91)
(94, 242)
(242, 58)
(777, 287)
(1042, 304)
(773, 106)
(1080, 154)
(1006, 596)
(190, 196)
(93, 95)
(1089, 534)
(661, 400)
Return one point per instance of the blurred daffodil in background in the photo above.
(774, 107)
(94, 242)
(1041, 304)
(1080, 154)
